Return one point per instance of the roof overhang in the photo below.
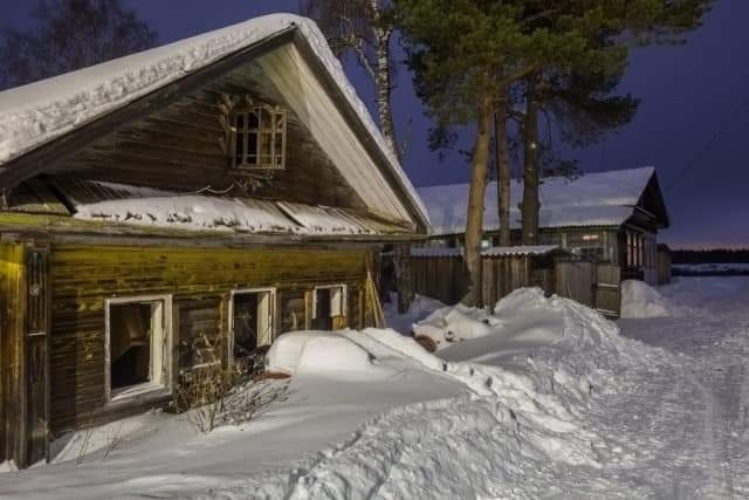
(301, 34)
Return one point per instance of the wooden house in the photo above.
(611, 218)
(231, 187)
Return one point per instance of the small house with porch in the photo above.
(608, 217)
(182, 207)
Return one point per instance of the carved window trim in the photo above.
(258, 137)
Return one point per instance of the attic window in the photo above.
(258, 138)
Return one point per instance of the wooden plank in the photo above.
(37, 355)
(12, 368)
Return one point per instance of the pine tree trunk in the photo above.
(403, 277)
(503, 172)
(475, 212)
(530, 205)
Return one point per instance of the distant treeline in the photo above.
(716, 256)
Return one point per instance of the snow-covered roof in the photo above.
(487, 252)
(243, 215)
(594, 199)
(35, 114)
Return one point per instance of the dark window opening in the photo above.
(323, 313)
(130, 331)
(252, 321)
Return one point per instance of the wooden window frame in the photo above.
(279, 126)
(344, 299)
(272, 314)
(150, 388)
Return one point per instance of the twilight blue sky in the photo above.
(693, 123)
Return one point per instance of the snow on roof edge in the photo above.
(24, 127)
(488, 252)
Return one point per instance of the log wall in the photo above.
(200, 282)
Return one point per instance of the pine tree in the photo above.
(464, 55)
(578, 89)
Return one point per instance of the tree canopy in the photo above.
(70, 34)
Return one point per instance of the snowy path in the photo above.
(688, 418)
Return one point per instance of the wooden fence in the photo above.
(596, 285)
(445, 278)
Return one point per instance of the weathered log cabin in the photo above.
(229, 187)
(607, 217)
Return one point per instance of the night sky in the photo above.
(693, 123)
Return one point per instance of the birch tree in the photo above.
(70, 34)
(364, 29)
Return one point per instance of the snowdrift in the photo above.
(640, 300)
(523, 318)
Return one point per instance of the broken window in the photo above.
(136, 333)
(252, 322)
(293, 311)
(329, 307)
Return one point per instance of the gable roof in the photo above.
(42, 122)
(594, 199)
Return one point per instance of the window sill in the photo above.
(138, 394)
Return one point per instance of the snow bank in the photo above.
(421, 307)
(448, 325)
(325, 354)
(639, 300)
(525, 319)
(8, 466)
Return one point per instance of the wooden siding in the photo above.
(12, 379)
(82, 278)
(185, 136)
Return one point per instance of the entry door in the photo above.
(37, 355)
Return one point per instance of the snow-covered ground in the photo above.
(552, 402)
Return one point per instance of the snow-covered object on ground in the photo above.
(640, 300)
(455, 324)
(35, 114)
(322, 353)
(420, 308)
(523, 314)
(594, 199)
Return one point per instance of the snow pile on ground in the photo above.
(524, 316)
(640, 300)
(8, 466)
(455, 324)
(420, 308)
(322, 353)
